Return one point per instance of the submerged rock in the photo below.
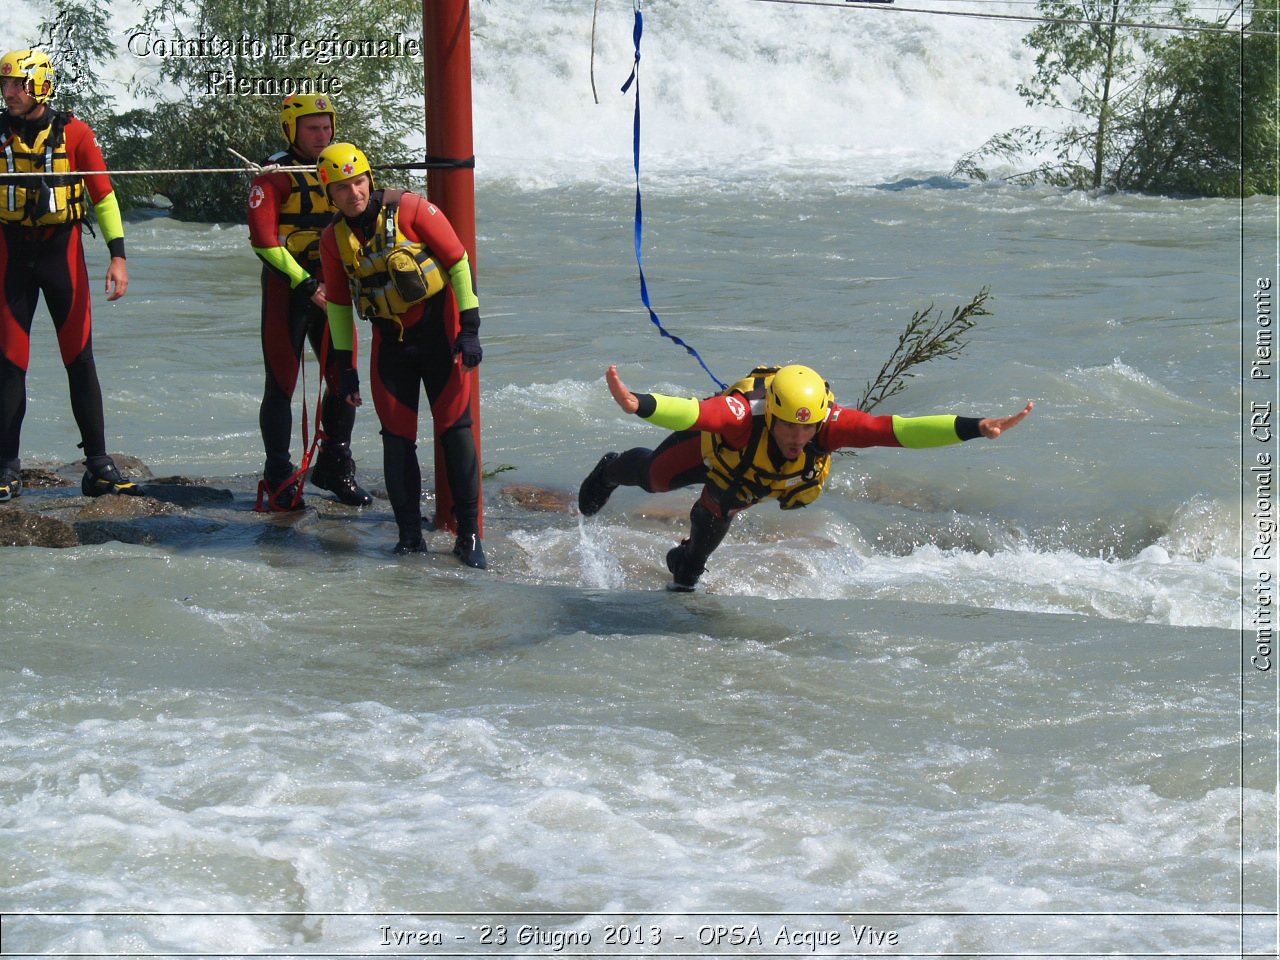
(52, 512)
(24, 528)
(542, 499)
(185, 511)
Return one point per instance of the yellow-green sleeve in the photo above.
(463, 289)
(107, 210)
(278, 258)
(922, 432)
(342, 326)
(671, 413)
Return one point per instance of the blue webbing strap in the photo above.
(637, 30)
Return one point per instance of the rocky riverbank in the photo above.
(51, 512)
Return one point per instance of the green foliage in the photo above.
(1208, 126)
(1091, 69)
(195, 116)
(211, 115)
(1010, 147)
(1260, 101)
(75, 36)
(1153, 111)
(158, 139)
(926, 337)
(1215, 130)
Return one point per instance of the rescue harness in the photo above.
(306, 212)
(51, 200)
(390, 273)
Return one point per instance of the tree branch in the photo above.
(925, 338)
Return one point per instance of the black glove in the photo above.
(348, 382)
(468, 342)
(308, 287)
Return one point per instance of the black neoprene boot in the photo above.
(280, 493)
(688, 561)
(102, 478)
(335, 471)
(596, 489)
(410, 539)
(470, 550)
(10, 484)
(685, 571)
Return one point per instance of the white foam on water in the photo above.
(985, 699)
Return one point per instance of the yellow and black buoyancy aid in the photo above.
(750, 475)
(390, 273)
(46, 201)
(305, 214)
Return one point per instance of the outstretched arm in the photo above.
(716, 414)
(992, 427)
(854, 428)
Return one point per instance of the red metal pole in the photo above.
(446, 51)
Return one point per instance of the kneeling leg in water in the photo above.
(688, 561)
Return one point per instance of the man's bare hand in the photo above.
(992, 427)
(621, 395)
(117, 278)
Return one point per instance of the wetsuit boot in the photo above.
(410, 540)
(280, 492)
(335, 471)
(404, 490)
(101, 477)
(470, 550)
(688, 561)
(10, 483)
(597, 488)
(463, 471)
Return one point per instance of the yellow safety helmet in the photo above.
(341, 161)
(299, 105)
(798, 394)
(35, 67)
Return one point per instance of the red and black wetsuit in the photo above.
(283, 204)
(49, 259)
(737, 422)
(414, 351)
(679, 461)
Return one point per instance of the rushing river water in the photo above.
(985, 700)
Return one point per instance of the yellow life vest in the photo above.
(305, 214)
(390, 273)
(46, 201)
(750, 475)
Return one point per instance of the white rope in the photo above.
(118, 173)
(249, 167)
